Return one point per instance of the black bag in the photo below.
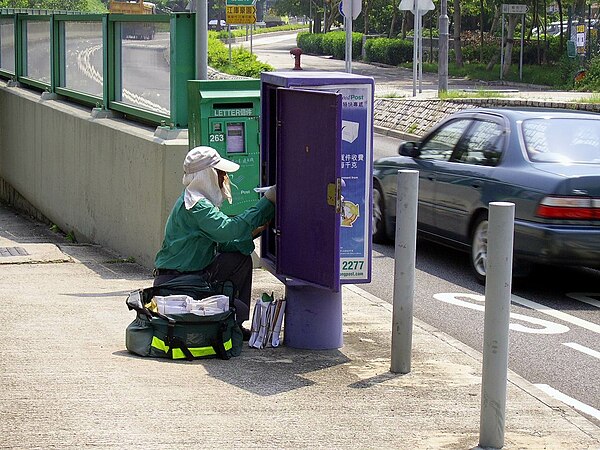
(178, 336)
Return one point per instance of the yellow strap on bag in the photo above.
(195, 351)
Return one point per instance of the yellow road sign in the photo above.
(240, 14)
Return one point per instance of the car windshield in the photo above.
(562, 140)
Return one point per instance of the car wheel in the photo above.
(379, 236)
(479, 247)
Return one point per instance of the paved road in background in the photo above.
(275, 50)
(555, 319)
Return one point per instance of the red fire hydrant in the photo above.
(296, 52)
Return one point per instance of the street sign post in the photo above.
(419, 8)
(513, 9)
(350, 9)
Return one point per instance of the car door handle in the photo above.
(476, 185)
(431, 177)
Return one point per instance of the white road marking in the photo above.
(582, 349)
(545, 327)
(586, 297)
(586, 409)
(557, 314)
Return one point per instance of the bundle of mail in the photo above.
(266, 322)
(182, 304)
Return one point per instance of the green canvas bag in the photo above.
(179, 336)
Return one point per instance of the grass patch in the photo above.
(481, 93)
(392, 95)
(532, 74)
(241, 32)
(594, 98)
(129, 260)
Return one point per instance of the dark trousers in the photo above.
(231, 266)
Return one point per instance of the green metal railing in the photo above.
(137, 65)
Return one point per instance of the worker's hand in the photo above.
(271, 194)
(259, 230)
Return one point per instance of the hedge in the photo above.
(383, 50)
(389, 51)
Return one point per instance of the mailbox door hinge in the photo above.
(334, 195)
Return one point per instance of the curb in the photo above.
(395, 133)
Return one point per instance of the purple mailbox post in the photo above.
(317, 145)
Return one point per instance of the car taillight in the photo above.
(569, 208)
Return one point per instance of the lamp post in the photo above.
(201, 9)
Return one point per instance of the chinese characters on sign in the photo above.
(351, 161)
(514, 9)
(240, 15)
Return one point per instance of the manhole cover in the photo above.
(13, 251)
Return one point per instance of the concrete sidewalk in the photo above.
(68, 381)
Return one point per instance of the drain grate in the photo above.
(13, 251)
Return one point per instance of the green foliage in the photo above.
(241, 32)
(591, 81)
(383, 50)
(91, 6)
(481, 93)
(71, 237)
(334, 44)
(311, 43)
(242, 63)
(545, 75)
(218, 55)
(129, 260)
(95, 6)
(388, 51)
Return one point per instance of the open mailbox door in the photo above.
(309, 200)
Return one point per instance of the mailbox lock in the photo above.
(334, 195)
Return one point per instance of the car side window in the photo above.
(441, 144)
(483, 145)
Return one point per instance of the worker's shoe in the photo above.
(246, 333)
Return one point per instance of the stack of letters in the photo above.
(266, 322)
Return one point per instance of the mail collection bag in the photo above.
(203, 333)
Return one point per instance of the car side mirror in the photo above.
(409, 149)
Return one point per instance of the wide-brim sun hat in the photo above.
(203, 157)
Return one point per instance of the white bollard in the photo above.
(496, 322)
(404, 270)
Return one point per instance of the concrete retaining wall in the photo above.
(409, 119)
(109, 181)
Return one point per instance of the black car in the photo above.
(546, 162)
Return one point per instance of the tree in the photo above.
(513, 19)
(457, 29)
(331, 13)
(65, 5)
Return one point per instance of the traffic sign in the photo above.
(356, 6)
(414, 5)
(240, 14)
(513, 9)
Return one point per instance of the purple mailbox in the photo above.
(317, 146)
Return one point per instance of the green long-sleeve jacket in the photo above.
(193, 237)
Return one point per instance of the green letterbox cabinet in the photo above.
(224, 114)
